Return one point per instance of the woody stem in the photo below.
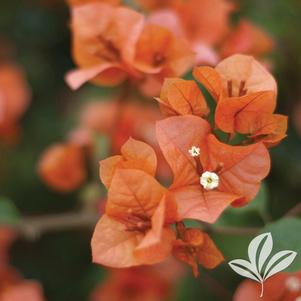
(32, 228)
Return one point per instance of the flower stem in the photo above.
(261, 293)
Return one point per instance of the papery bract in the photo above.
(135, 228)
(181, 97)
(236, 76)
(195, 247)
(240, 168)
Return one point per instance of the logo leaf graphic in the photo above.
(279, 262)
(260, 247)
(245, 269)
(260, 267)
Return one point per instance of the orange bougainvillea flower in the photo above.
(208, 174)
(247, 38)
(281, 287)
(14, 100)
(236, 76)
(196, 247)
(103, 48)
(181, 97)
(135, 228)
(246, 98)
(62, 167)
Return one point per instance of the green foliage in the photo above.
(9, 215)
(286, 236)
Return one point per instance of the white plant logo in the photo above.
(261, 265)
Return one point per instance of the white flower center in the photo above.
(194, 151)
(293, 284)
(209, 180)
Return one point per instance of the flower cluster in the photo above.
(144, 222)
(167, 42)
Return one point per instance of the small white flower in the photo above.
(209, 180)
(293, 284)
(194, 151)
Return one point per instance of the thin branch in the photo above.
(33, 227)
(228, 230)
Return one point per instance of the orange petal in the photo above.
(183, 97)
(157, 243)
(270, 129)
(210, 79)
(176, 136)
(206, 206)
(239, 114)
(139, 155)
(113, 246)
(180, 252)
(244, 167)
(241, 67)
(133, 190)
(76, 78)
(107, 169)
(209, 256)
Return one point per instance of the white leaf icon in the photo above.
(259, 251)
(279, 262)
(264, 241)
(245, 269)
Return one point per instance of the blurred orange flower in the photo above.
(247, 38)
(62, 167)
(281, 287)
(145, 283)
(24, 290)
(196, 247)
(103, 48)
(107, 53)
(14, 100)
(135, 228)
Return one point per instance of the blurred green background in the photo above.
(40, 41)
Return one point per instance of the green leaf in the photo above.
(286, 236)
(9, 215)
